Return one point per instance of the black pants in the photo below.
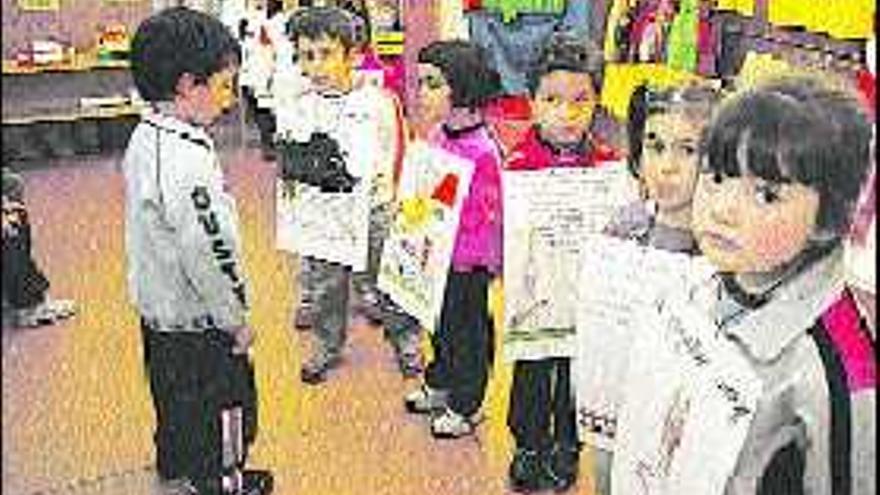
(193, 379)
(463, 342)
(24, 284)
(542, 411)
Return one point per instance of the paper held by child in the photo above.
(416, 255)
(689, 401)
(619, 281)
(547, 216)
(329, 226)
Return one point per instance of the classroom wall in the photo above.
(76, 22)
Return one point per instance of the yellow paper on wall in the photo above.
(39, 5)
(760, 67)
(744, 7)
(840, 18)
(622, 79)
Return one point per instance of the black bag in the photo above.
(317, 162)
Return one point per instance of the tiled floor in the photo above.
(76, 407)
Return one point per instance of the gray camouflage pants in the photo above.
(327, 290)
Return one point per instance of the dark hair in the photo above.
(568, 52)
(177, 41)
(332, 22)
(467, 70)
(795, 129)
(358, 8)
(693, 99)
(273, 7)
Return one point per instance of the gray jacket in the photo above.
(181, 230)
(796, 404)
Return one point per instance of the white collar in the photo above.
(161, 115)
(767, 331)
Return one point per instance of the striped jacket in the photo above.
(815, 428)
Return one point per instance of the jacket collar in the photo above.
(161, 114)
(766, 332)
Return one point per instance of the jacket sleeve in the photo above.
(206, 221)
(390, 133)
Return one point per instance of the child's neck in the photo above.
(760, 283)
(679, 218)
(462, 118)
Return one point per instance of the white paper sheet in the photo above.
(418, 251)
(619, 280)
(547, 216)
(690, 397)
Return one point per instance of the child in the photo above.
(664, 129)
(455, 82)
(783, 167)
(25, 286)
(565, 85)
(347, 117)
(184, 251)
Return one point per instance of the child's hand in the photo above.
(243, 338)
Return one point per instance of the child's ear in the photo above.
(185, 84)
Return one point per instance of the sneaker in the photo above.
(314, 371)
(254, 482)
(177, 486)
(409, 357)
(450, 424)
(410, 366)
(303, 319)
(257, 482)
(564, 464)
(425, 400)
(530, 471)
(46, 313)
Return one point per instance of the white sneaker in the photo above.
(425, 400)
(177, 486)
(451, 424)
(46, 313)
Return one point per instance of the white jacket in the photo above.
(181, 230)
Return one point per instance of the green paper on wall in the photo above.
(681, 48)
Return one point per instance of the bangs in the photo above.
(768, 135)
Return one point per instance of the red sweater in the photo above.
(532, 153)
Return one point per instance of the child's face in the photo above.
(434, 94)
(327, 63)
(747, 225)
(204, 102)
(670, 160)
(563, 106)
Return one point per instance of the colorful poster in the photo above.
(328, 226)
(619, 280)
(547, 216)
(690, 398)
(416, 254)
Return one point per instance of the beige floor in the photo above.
(76, 409)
